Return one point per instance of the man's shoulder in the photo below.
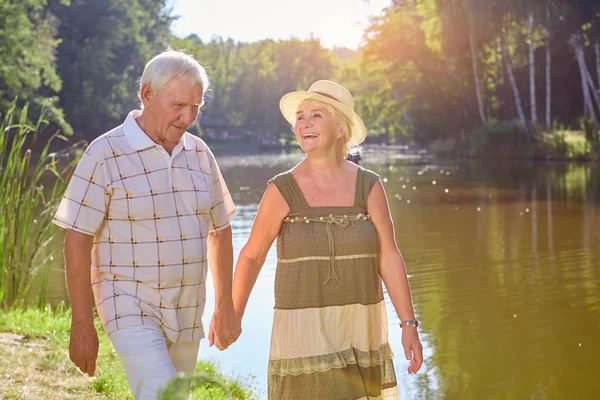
(107, 142)
(196, 142)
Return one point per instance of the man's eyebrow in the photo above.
(183, 103)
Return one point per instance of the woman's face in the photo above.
(315, 128)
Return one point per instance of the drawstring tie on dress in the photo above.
(340, 220)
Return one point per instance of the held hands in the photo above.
(413, 349)
(83, 347)
(225, 328)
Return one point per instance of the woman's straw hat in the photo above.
(333, 94)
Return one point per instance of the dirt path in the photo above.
(31, 369)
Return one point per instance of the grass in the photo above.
(27, 206)
(34, 364)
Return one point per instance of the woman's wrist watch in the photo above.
(409, 322)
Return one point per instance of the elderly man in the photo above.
(145, 210)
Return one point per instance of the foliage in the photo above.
(497, 140)
(28, 52)
(508, 140)
(248, 79)
(27, 205)
(413, 80)
(206, 383)
(104, 45)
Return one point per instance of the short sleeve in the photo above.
(222, 208)
(84, 204)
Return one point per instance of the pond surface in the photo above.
(503, 266)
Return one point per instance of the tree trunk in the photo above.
(596, 96)
(592, 88)
(597, 49)
(588, 109)
(531, 71)
(548, 66)
(476, 77)
(513, 83)
(585, 75)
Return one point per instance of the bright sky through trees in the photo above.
(338, 23)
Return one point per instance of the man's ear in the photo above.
(146, 94)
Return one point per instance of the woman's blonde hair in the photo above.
(341, 121)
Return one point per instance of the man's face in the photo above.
(172, 110)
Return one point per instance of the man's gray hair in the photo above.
(171, 64)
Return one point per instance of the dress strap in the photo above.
(290, 191)
(364, 183)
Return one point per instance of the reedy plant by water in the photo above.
(26, 205)
(207, 383)
(178, 387)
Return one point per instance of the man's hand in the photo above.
(83, 347)
(225, 328)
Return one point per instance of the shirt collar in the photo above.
(139, 140)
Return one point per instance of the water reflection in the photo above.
(507, 314)
(502, 263)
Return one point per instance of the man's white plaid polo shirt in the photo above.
(150, 214)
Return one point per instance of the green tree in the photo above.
(248, 79)
(27, 50)
(104, 47)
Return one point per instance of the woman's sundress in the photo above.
(329, 338)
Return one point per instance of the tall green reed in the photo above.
(27, 206)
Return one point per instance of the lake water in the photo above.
(503, 265)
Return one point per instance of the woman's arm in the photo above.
(269, 217)
(393, 273)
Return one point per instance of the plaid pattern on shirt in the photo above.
(150, 214)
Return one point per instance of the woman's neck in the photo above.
(327, 166)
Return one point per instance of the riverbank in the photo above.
(510, 142)
(34, 363)
(484, 143)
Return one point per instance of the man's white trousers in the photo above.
(150, 360)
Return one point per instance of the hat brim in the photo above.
(289, 106)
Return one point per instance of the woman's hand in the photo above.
(413, 349)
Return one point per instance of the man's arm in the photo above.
(224, 326)
(83, 347)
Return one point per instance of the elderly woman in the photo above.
(335, 244)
